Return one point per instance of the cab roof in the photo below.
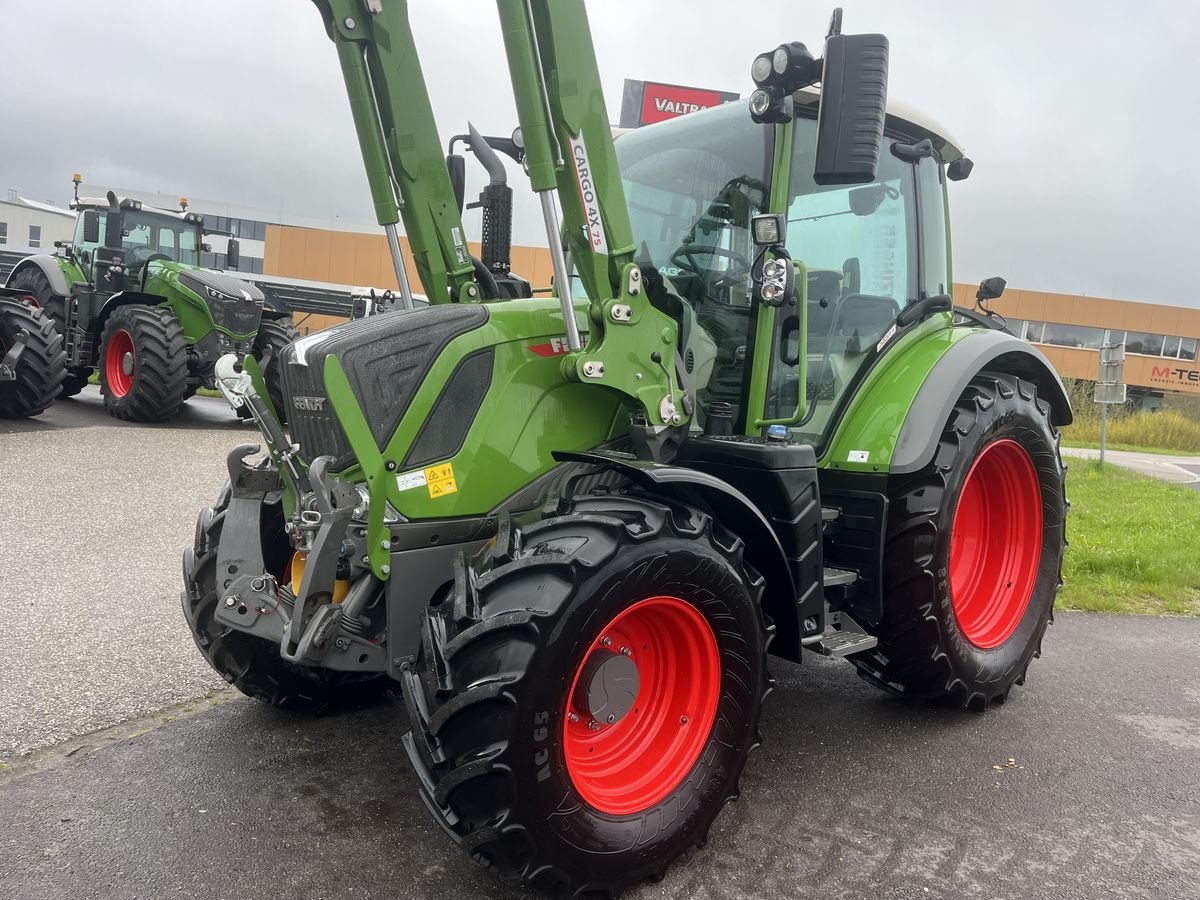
(903, 117)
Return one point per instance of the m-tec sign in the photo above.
(647, 102)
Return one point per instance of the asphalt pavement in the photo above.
(1085, 784)
(95, 517)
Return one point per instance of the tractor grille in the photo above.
(385, 358)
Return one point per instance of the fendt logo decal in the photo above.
(554, 347)
(587, 194)
(309, 404)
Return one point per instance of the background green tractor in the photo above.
(131, 301)
(573, 529)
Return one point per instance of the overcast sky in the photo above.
(1081, 116)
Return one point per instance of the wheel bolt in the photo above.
(606, 641)
(230, 602)
(573, 716)
(625, 651)
(594, 725)
(683, 720)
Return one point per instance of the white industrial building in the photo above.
(29, 223)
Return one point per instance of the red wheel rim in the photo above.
(630, 765)
(120, 345)
(996, 544)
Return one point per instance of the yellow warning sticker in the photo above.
(440, 480)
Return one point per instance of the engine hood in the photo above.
(226, 285)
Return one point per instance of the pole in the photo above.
(1103, 429)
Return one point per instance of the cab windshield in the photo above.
(145, 235)
(692, 185)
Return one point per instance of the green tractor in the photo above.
(131, 301)
(574, 529)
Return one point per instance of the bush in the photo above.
(1167, 429)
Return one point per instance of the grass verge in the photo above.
(1133, 543)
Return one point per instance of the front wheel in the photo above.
(143, 364)
(586, 697)
(973, 559)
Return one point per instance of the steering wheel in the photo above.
(153, 256)
(685, 258)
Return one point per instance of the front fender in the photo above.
(737, 513)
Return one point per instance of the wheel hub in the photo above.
(127, 364)
(607, 687)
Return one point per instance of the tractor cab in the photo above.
(115, 238)
(868, 251)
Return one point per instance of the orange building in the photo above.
(1160, 341)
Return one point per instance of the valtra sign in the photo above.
(647, 102)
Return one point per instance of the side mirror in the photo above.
(91, 226)
(852, 109)
(233, 254)
(960, 169)
(852, 276)
(456, 165)
(990, 288)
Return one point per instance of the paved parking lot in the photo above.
(97, 515)
(1086, 784)
(852, 795)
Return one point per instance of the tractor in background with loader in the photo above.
(131, 301)
(573, 529)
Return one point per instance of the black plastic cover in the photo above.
(386, 357)
(852, 110)
(444, 432)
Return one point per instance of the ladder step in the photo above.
(832, 577)
(843, 641)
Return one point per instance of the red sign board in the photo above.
(647, 102)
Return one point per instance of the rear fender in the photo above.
(896, 418)
(735, 512)
(61, 273)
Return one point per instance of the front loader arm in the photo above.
(569, 148)
(399, 140)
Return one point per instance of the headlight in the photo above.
(760, 102)
(760, 69)
(780, 60)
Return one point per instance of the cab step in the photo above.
(843, 638)
(832, 577)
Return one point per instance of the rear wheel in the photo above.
(143, 364)
(974, 552)
(40, 367)
(250, 664)
(585, 699)
(273, 335)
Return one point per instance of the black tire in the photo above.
(250, 664)
(32, 279)
(273, 335)
(924, 651)
(76, 380)
(41, 366)
(487, 693)
(154, 389)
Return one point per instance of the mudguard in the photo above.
(995, 351)
(53, 268)
(737, 513)
(899, 410)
